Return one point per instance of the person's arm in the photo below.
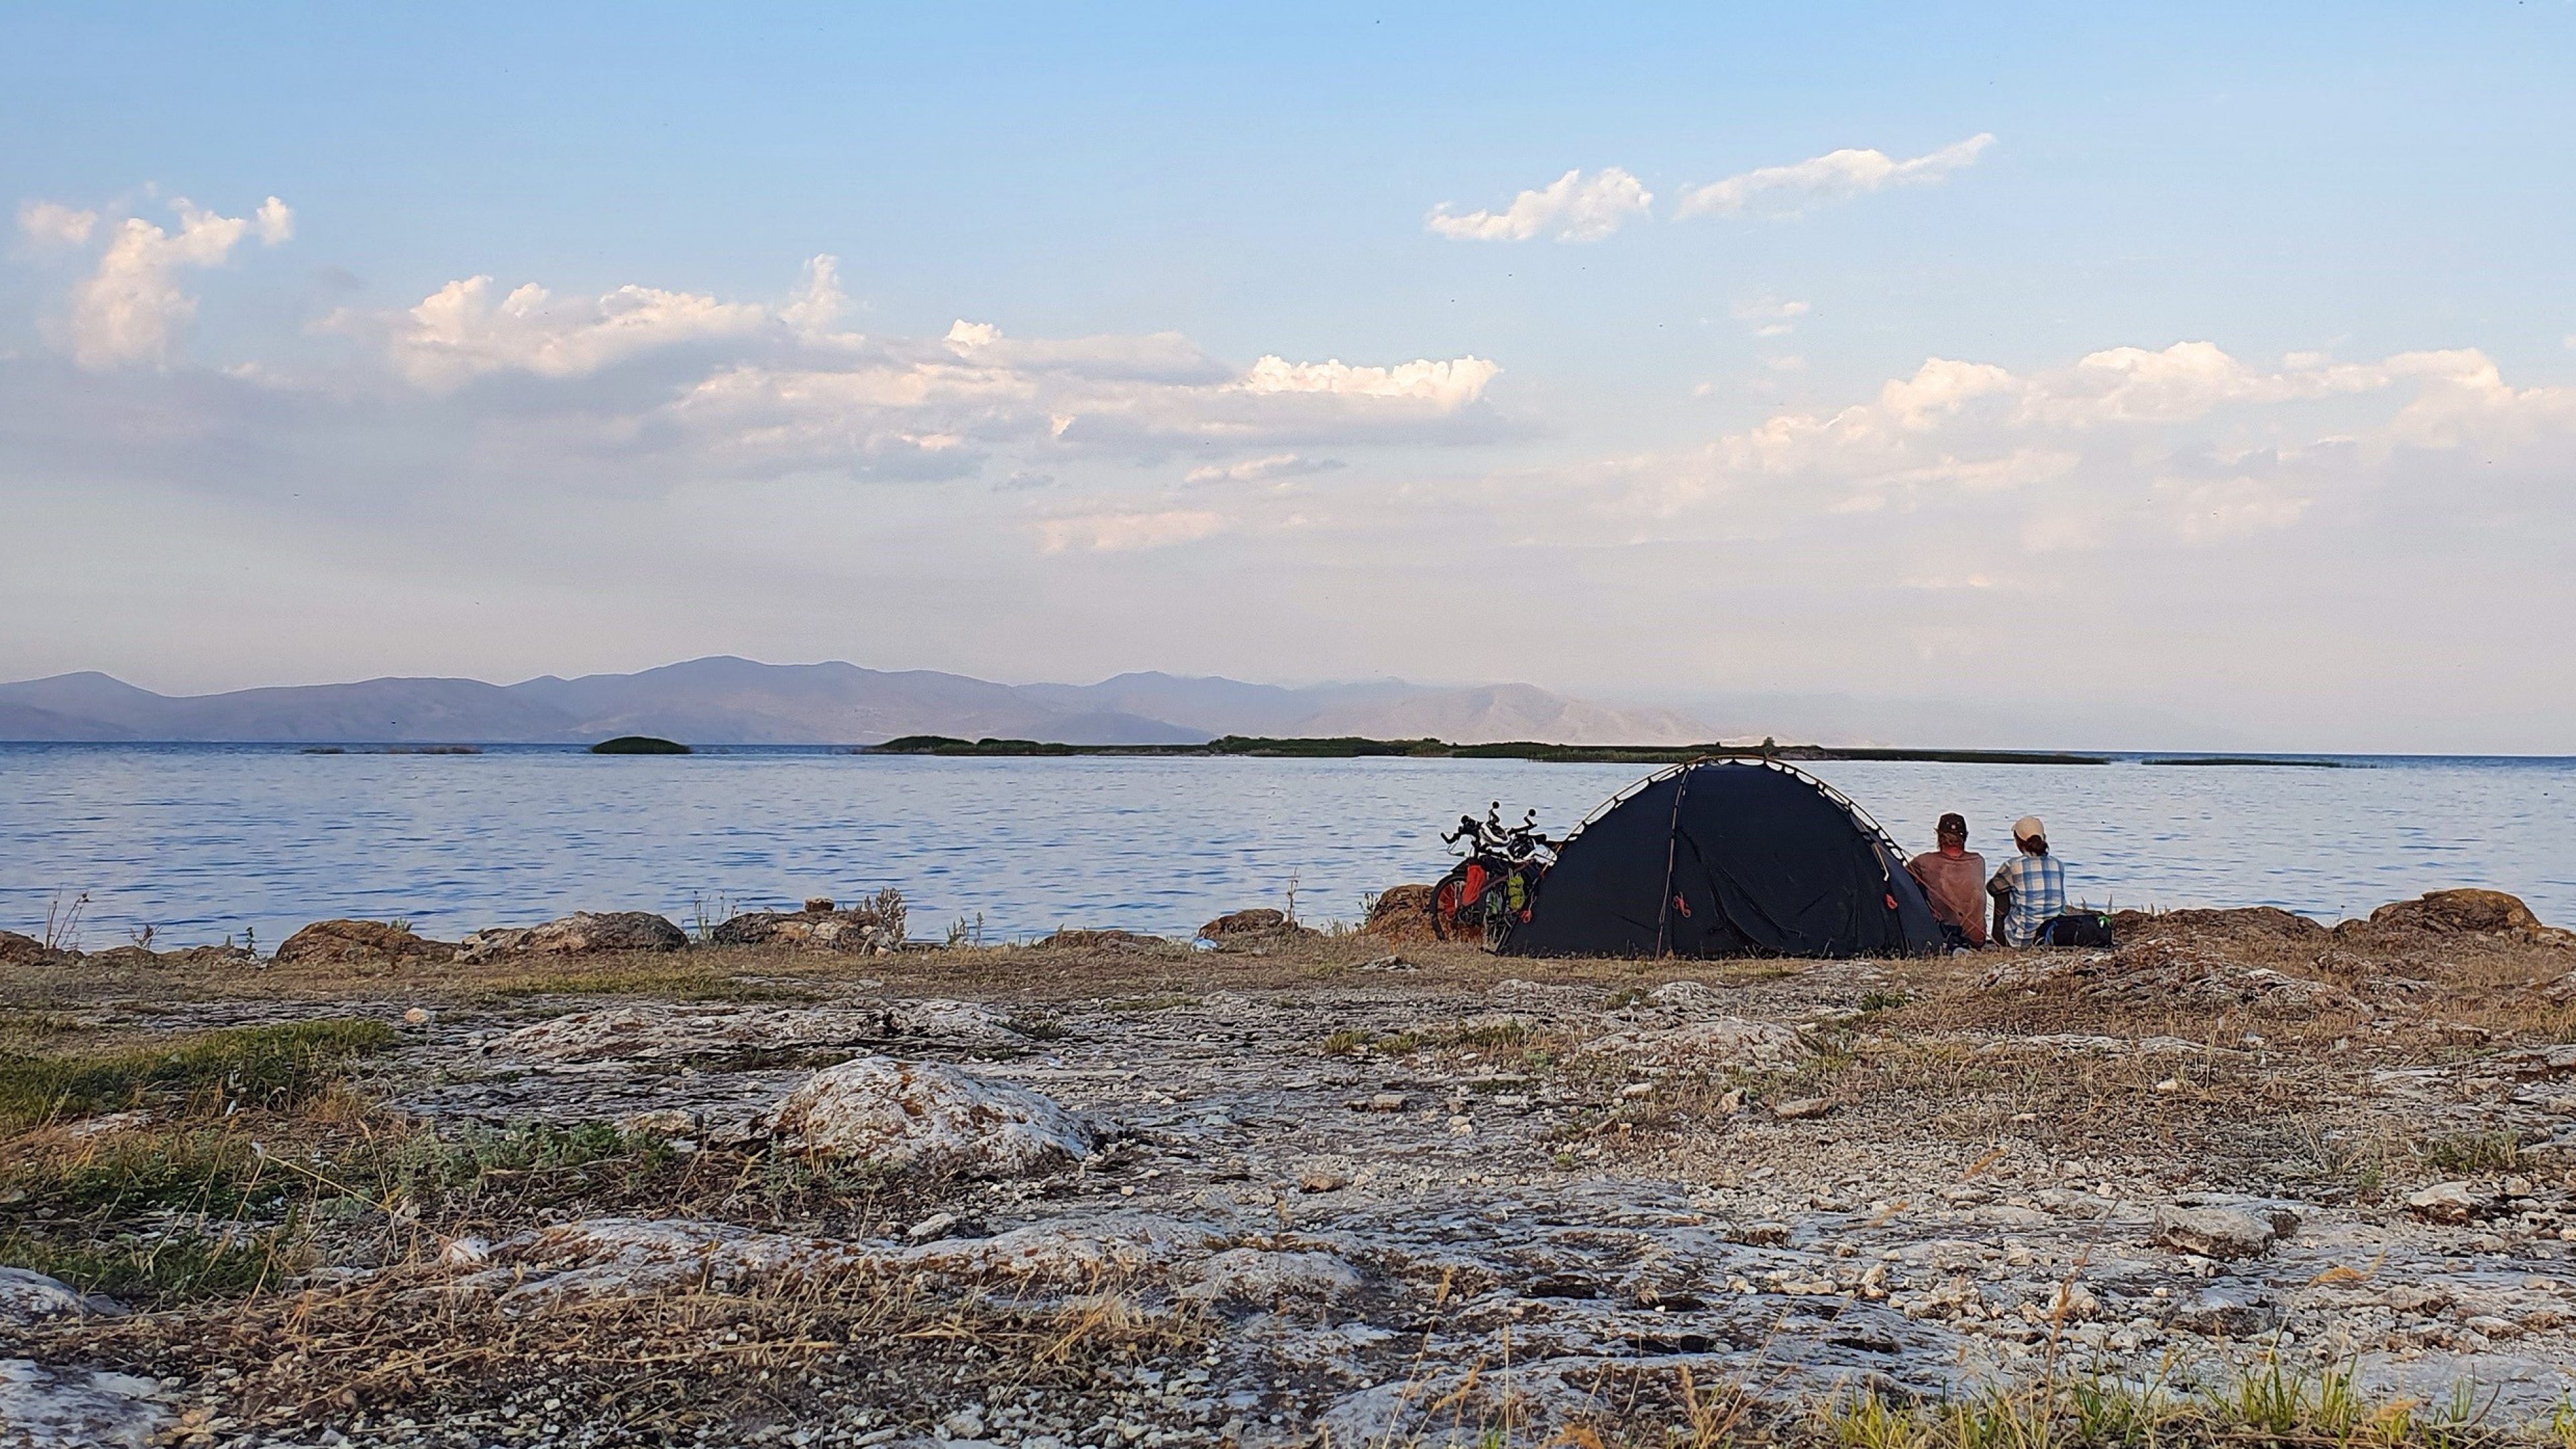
(2001, 889)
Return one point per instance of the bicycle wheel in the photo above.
(1448, 901)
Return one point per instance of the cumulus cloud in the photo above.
(1115, 394)
(50, 224)
(1442, 385)
(1770, 316)
(1836, 175)
(1572, 208)
(2186, 442)
(460, 332)
(1152, 356)
(1117, 532)
(131, 310)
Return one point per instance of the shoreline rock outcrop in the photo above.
(1256, 929)
(869, 930)
(18, 950)
(582, 933)
(2461, 912)
(360, 942)
(1401, 915)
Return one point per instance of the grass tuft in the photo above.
(276, 1067)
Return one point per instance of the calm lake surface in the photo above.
(204, 841)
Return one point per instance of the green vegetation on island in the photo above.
(1348, 747)
(639, 745)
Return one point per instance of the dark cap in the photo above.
(1954, 824)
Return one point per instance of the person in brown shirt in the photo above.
(1954, 880)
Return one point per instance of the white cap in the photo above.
(2029, 828)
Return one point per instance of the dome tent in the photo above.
(1727, 858)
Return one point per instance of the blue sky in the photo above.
(1703, 458)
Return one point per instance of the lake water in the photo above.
(204, 841)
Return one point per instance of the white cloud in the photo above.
(276, 221)
(820, 304)
(2185, 442)
(131, 310)
(1156, 356)
(1788, 190)
(1572, 208)
(52, 224)
(1117, 532)
(459, 332)
(1443, 385)
(1132, 394)
(1259, 470)
(1769, 316)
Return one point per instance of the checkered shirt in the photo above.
(2038, 885)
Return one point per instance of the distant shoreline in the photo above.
(1351, 747)
(1335, 748)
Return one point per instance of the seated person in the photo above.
(1953, 878)
(2030, 889)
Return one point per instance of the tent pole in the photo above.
(1664, 907)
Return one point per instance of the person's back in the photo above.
(2030, 888)
(1954, 880)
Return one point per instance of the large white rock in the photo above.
(1257, 1275)
(595, 1258)
(905, 1114)
(1712, 1044)
(28, 1297)
(659, 1031)
(76, 1408)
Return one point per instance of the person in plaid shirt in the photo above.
(2030, 889)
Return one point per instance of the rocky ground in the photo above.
(1106, 1191)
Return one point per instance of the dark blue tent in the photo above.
(1729, 858)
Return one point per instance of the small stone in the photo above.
(2449, 1202)
(2211, 1232)
(937, 1225)
(417, 1016)
(1323, 1177)
(2225, 1313)
(1794, 1109)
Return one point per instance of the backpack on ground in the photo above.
(2078, 928)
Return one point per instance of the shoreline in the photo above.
(1393, 749)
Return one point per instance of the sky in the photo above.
(2176, 376)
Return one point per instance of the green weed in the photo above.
(276, 1067)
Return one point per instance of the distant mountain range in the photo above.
(728, 701)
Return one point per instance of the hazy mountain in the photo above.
(737, 701)
(1844, 719)
(1388, 709)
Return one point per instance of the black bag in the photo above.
(2078, 928)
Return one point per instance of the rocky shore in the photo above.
(593, 1183)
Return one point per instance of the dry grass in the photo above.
(413, 1341)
